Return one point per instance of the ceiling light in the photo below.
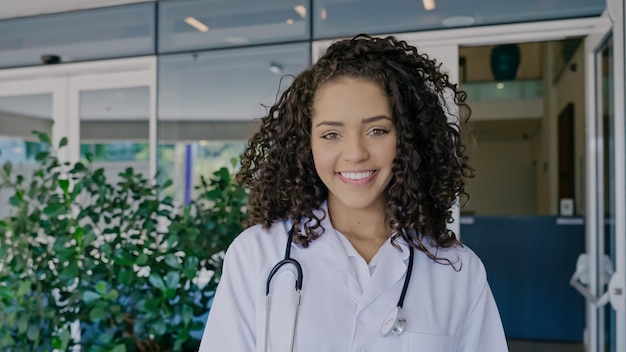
(429, 4)
(276, 68)
(323, 14)
(301, 10)
(289, 21)
(500, 85)
(458, 21)
(196, 24)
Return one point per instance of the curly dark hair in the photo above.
(429, 170)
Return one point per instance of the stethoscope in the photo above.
(394, 321)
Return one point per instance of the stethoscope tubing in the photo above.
(287, 260)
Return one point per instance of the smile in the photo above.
(357, 176)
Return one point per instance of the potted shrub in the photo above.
(118, 262)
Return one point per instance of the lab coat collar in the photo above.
(390, 269)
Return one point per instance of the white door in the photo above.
(606, 208)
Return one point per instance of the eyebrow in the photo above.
(364, 121)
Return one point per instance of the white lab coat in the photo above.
(342, 307)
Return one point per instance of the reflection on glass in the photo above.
(19, 116)
(114, 129)
(201, 24)
(208, 103)
(186, 163)
(117, 31)
(335, 18)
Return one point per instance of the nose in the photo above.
(355, 149)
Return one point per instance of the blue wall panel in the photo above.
(529, 262)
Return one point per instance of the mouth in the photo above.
(356, 176)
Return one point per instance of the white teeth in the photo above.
(357, 175)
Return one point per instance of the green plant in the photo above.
(117, 259)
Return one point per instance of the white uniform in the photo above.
(343, 307)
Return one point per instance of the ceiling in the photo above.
(480, 11)
(19, 8)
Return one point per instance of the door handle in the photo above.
(581, 278)
(616, 291)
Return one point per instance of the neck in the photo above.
(367, 229)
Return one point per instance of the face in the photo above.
(353, 140)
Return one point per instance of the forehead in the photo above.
(350, 97)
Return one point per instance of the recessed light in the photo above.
(458, 21)
(428, 4)
(500, 85)
(289, 21)
(276, 68)
(196, 24)
(323, 14)
(300, 10)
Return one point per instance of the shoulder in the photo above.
(258, 241)
(459, 263)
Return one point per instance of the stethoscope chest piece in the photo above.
(393, 322)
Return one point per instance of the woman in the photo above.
(351, 177)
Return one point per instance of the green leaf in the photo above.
(101, 288)
(63, 142)
(112, 295)
(97, 313)
(119, 348)
(43, 137)
(24, 288)
(167, 184)
(172, 279)
(157, 282)
(33, 332)
(126, 277)
(22, 323)
(54, 210)
(187, 314)
(7, 167)
(65, 185)
(41, 156)
(61, 341)
(159, 327)
(142, 259)
(172, 260)
(90, 296)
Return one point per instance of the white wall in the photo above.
(505, 182)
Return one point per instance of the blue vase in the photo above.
(505, 61)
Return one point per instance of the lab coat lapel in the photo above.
(390, 270)
(332, 256)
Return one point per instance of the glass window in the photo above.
(19, 116)
(109, 32)
(201, 24)
(335, 18)
(208, 102)
(114, 128)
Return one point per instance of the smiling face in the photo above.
(353, 140)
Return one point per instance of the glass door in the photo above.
(25, 106)
(605, 190)
(114, 117)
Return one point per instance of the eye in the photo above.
(330, 135)
(378, 131)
